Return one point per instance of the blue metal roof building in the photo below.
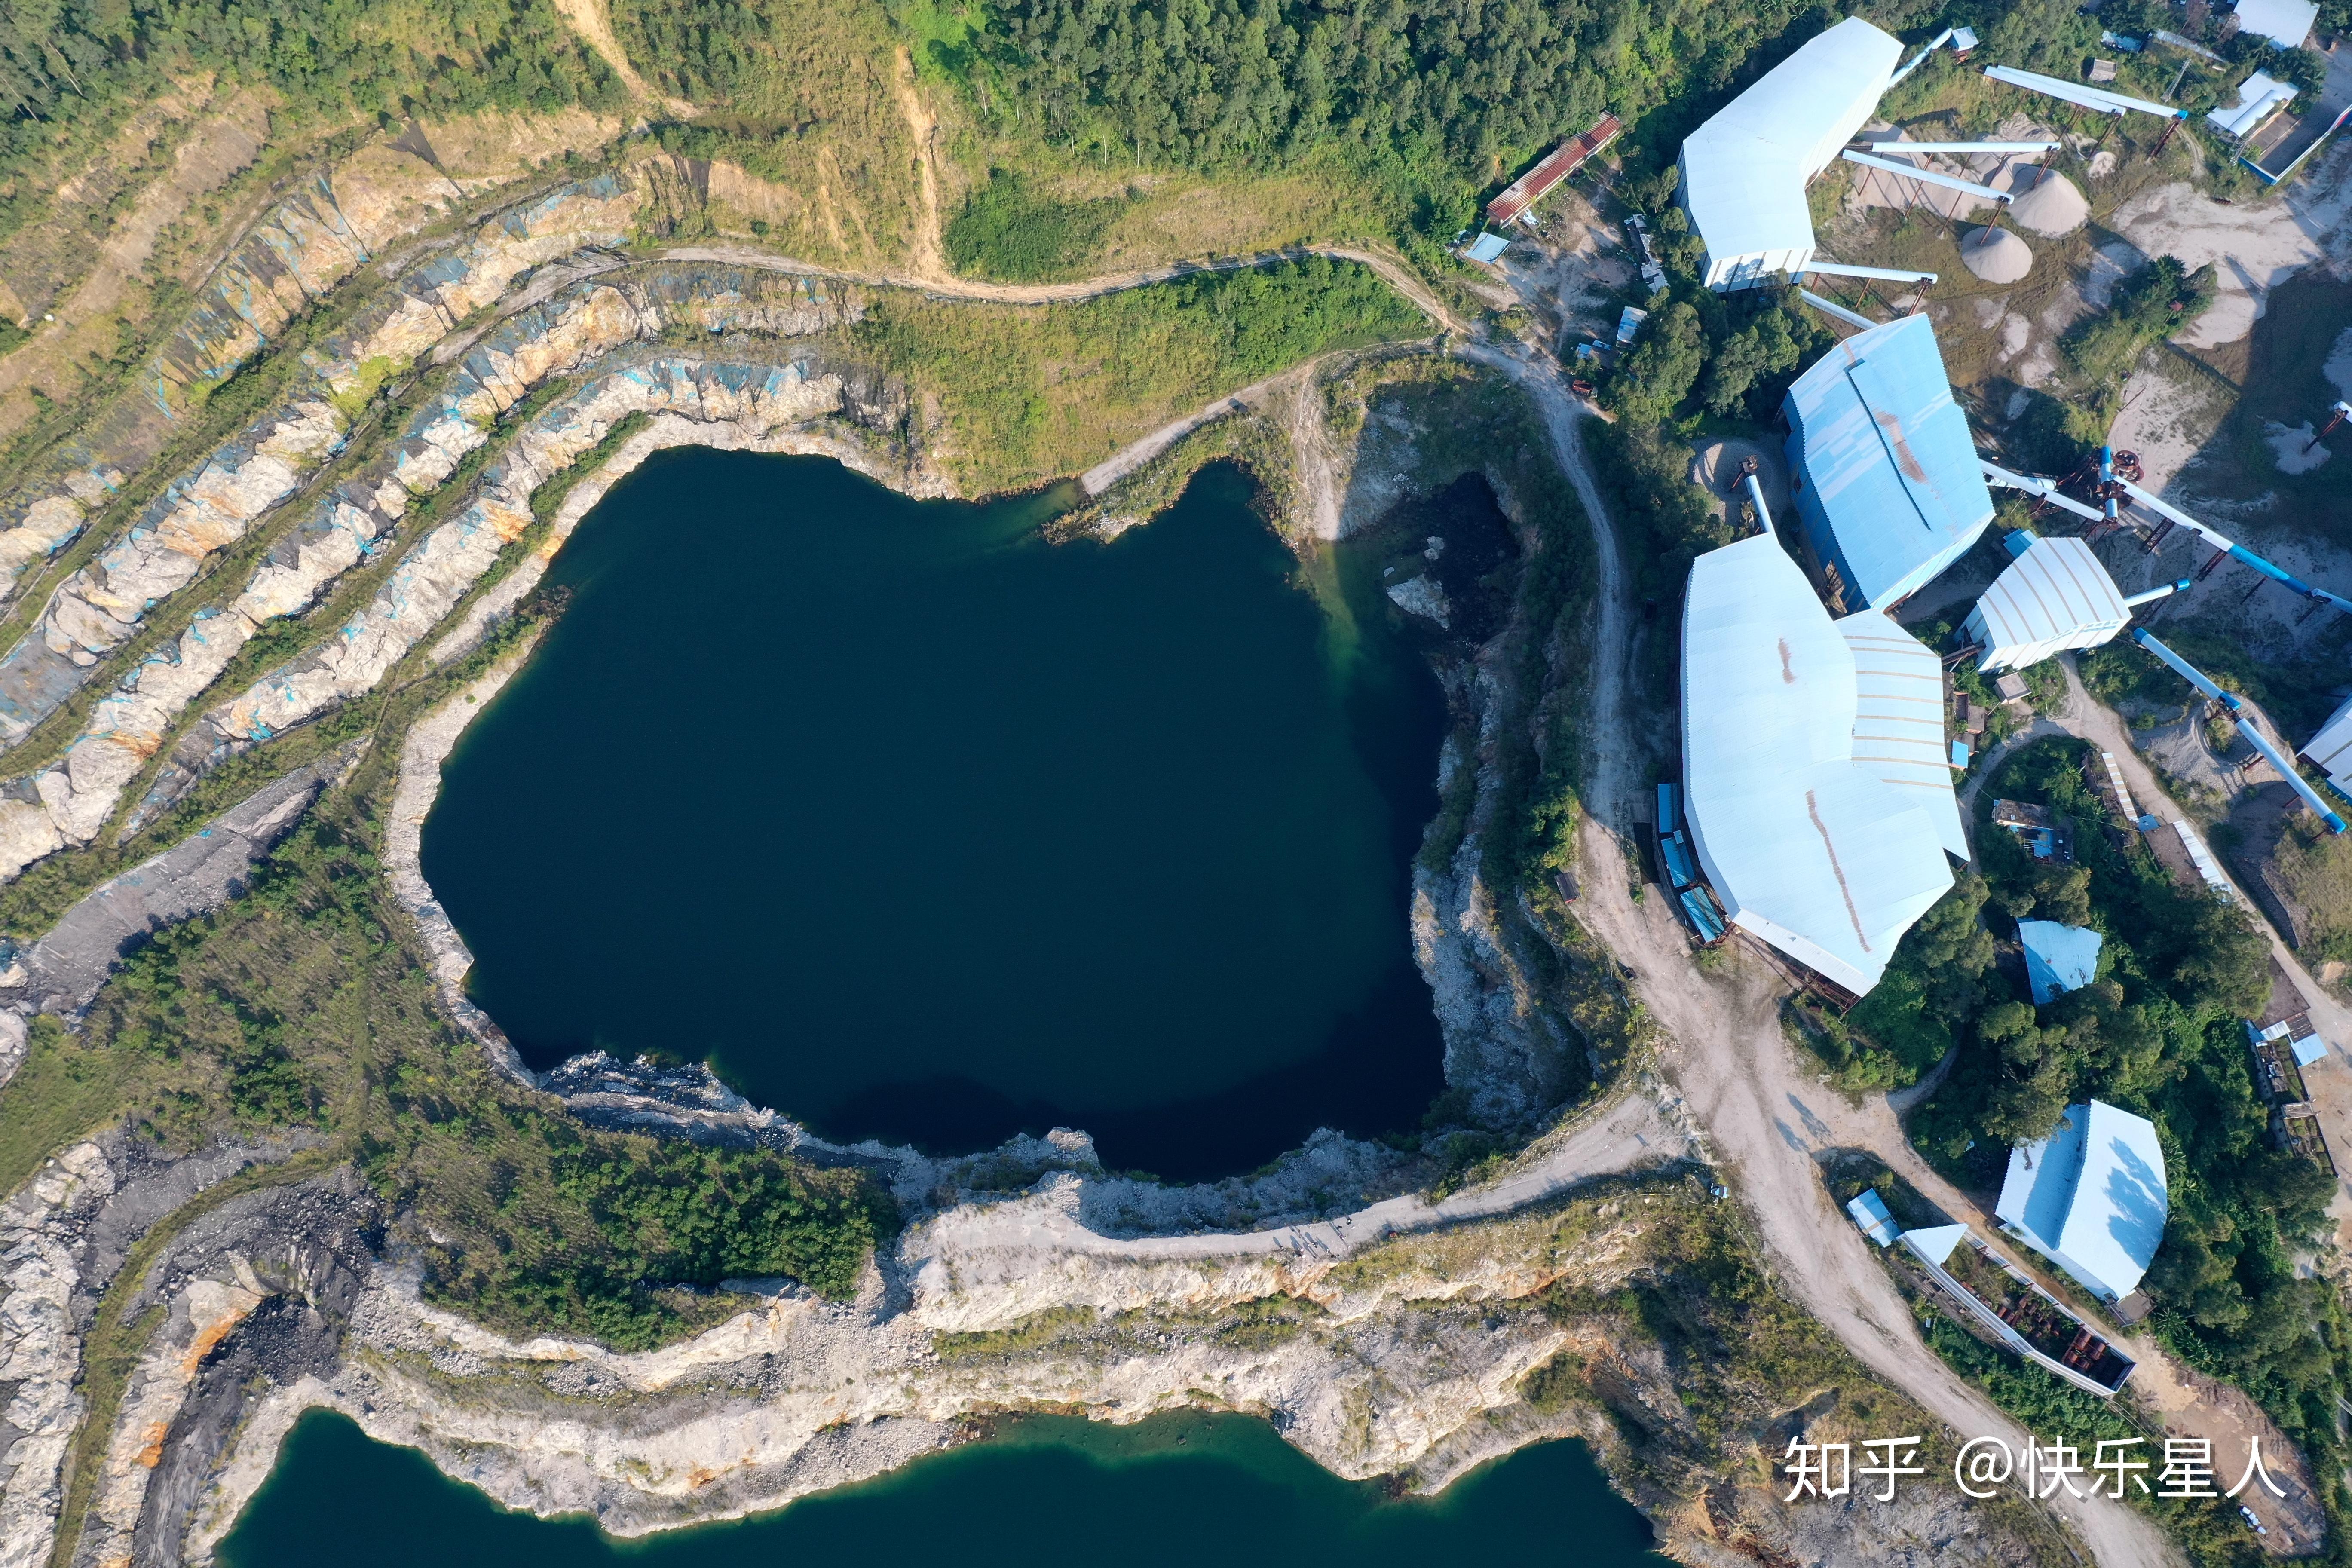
(2092, 1197)
(2058, 958)
(1888, 491)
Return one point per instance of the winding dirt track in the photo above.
(941, 285)
(1729, 1054)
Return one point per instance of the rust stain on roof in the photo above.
(1787, 672)
(1813, 810)
(1892, 428)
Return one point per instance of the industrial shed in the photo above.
(2332, 749)
(2054, 597)
(2091, 1197)
(2058, 958)
(1821, 812)
(1744, 171)
(1889, 491)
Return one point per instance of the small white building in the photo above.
(1817, 787)
(2092, 1197)
(1744, 171)
(2054, 597)
(2286, 23)
(2259, 98)
(2331, 749)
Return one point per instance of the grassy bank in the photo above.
(1019, 394)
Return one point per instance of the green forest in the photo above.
(2159, 1033)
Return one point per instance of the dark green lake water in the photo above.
(918, 827)
(1044, 1489)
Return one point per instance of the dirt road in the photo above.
(946, 287)
(1634, 1131)
(1728, 1055)
(2329, 1080)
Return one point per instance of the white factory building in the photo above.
(1744, 171)
(1817, 784)
(2054, 597)
(2092, 1197)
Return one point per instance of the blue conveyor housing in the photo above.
(2246, 726)
(2234, 551)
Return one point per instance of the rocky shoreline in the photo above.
(999, 1237)
(1386, 1334)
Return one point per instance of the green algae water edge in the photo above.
(919, 827)
(1171, 1492)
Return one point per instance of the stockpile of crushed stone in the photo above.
(2049, 203)
(1996, 255)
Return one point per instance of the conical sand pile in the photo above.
(1996, 255)
(2049, 204)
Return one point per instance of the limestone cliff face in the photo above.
(312, 242)
(357, 519)
(1406, 1356)
(64, 1235)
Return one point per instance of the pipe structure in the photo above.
(2047, 489)
(2235, 551)
(1937, 42)
(2246, 727)
(1832, 307)
(1952, 182)
(2162, 591)
(2109, 486)
(1840, 270)
(1763, 512)
(1961, 146)
(2088, 97)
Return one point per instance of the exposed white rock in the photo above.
(1423, 596)
(561, 335)
(442, 567)
(39, 1351)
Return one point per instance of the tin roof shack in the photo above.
(2286, 23)
(2106, 781)
(2331, 750)
(2287, 1021)
(1678, 870)
(2092, 1197)
(1744, 171)
(2037, 828)
(2054, 597)
(2284, 1043)
(1869, 1212)
(1485, 248)
(1888, 488)
(1817, 792)
(2058, 958)
(2016, 1311)
(2295, 1120)
(2183, 855)
(1555, 166)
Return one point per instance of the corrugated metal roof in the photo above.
(1487, 247)
(2332, 748)
(1557, 166)
(2054, 597)
(1744, 171)
(2259, 97)
(2286, 23)
(2092, 1197)
(2058, 958)
(1808, 848)
(1888, 465)
(1898, 721)
(1869, 1212)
